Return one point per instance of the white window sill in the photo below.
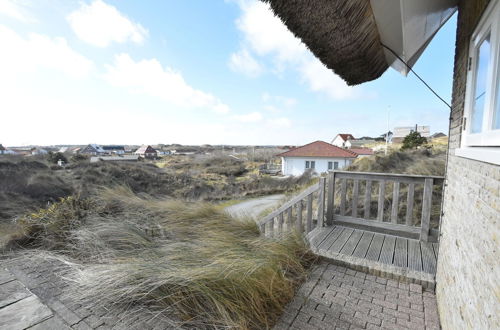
(488, 155)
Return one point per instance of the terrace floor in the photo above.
(385, 255)
(335, 297)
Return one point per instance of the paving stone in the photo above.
(33, 312)
(415, 288)
(54, 323)
(11, 292)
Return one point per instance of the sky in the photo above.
(191, 72)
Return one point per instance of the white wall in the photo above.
(338, 141)
(297, 165)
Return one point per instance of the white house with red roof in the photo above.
(318, 156)
(341, 139)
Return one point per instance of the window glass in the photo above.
(336, 165)
(478, 103)
(307, 164)
(313, 164)
(496, 112)
(330, 165)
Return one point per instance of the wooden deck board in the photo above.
(387, 252)
(341, 240)
(428, 258)
(373, 252)
(414, 255)
(318, 239)
(363, 245)
(401, 252)
(352, 243)
(435, 247)
(328, 241)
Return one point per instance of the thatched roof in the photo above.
(341, 33)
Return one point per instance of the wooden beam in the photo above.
(343, 192)
(368, 198)
(298, 224)
(309, 213)
(395, 203)
(426, 209)
(331, 198)
(321, 201)
(355, 192)
(409, 204)
(381, 199)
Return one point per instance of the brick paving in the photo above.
(34, 295)
(335, 297)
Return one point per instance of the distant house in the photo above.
(92, 149)
(146, 151)
(351, 144)
(363, 152)
(341, 139)
(2, 150)
(401, 132)
(39, 151)
(437, 135)
(119, 150)
(318, 156)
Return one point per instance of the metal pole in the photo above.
(387, 134)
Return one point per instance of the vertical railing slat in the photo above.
(298, 224)
(309, 213)
(395, 202)
(368, 198)
(289, 218)
(321, 202)
(343, 192)
(331, 197)
(355, 191)
(409, 204)
(426, 209)
(381, 198)
(271, 228)
(280, 224)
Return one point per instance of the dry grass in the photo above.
(189, 260)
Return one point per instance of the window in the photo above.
(313, 164)
(307, 164)
(481, 125)
(335, 165)
(330, 165)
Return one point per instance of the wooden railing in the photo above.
(386, 214)
(292, 214)
(347, 206)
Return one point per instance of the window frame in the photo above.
(488, 137)
(330, 166)
(313, 164)
(335, 165)
(307, 164)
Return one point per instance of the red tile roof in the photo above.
(319, 149)
(362, 151)
(346, 137)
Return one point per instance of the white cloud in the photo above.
(15, 9)
(100, 24)
(249, 118)
(244, 62)
(151, 78)
(281, 122)
(39, 51)
(265, 35)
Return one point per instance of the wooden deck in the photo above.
(403, 257)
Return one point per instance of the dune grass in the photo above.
(189, 260)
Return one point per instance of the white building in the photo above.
(401, 132)
(317, 156)
(341, 139)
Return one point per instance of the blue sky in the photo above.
(191, 72)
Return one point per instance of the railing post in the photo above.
(289, 219)
(280, 224)
(321, 202)
(381, 198)
(355, 192)
(309, 213)
(426, 209)
(368, 198)
(343, 195)
(409, 204)
(330, 199)
(298, 224)
(271, 228)
(395, 202)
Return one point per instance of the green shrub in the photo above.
(413, 141)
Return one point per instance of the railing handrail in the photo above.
(312, 189)
(386, 175)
